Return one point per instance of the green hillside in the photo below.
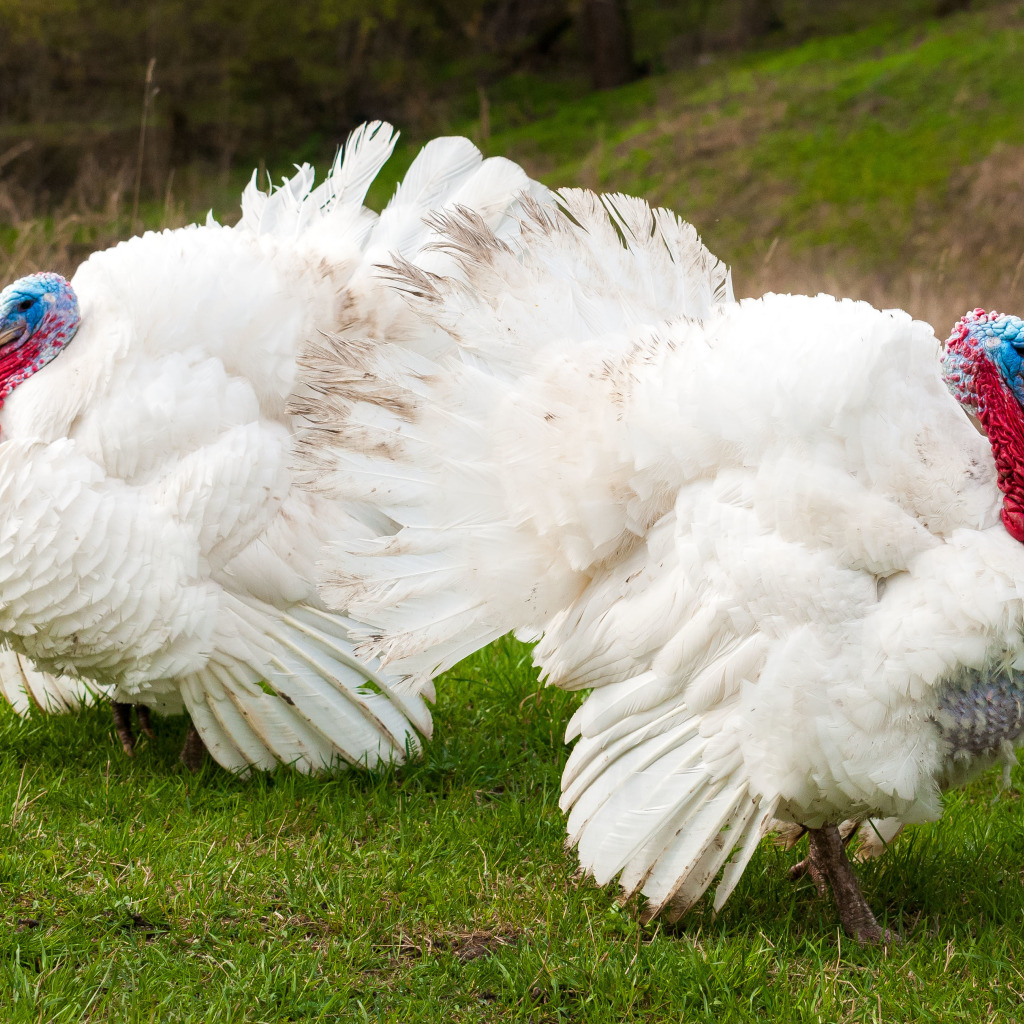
(887, 163)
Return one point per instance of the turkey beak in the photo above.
(10, 332)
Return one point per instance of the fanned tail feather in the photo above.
(643, 806)
(519, 290)
(440, 168)
(23, 687)
(294, 693)
(365, 152)
(295, 205)
(539, 314)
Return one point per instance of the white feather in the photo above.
(24, 687)
(159, 542)
(762, 532)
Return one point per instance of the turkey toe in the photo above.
(123, 724)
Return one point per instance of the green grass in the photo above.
(440, 891)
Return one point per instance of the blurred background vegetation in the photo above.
(862, 146)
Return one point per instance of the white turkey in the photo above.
(763, 533)
(156, 543)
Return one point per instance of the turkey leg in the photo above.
(123, 724)
(807, 866)
(829, 864)
(194, 751)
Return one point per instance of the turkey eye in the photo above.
(24, 306)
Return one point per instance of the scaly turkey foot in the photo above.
(142, 717)
(806, 866)
(194, 752)
(829, 862)
(123, 724)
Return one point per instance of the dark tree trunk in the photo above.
(944, 7)
(760, 17)
(610, 43)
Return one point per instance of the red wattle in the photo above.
(1002, 417)
(19, 362)
(16, 358)
(1013, 520)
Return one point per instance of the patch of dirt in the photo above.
(136, 923)
(465, 946)
(295, 924)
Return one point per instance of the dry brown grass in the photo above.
(97, 213)
(940, 297)
(971, 255)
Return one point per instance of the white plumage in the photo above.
(23, 686)
(157, 542)
(762, 532)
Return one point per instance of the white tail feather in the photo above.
(23, 687)
(292, 208)
(415, 438)
(295, 693)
